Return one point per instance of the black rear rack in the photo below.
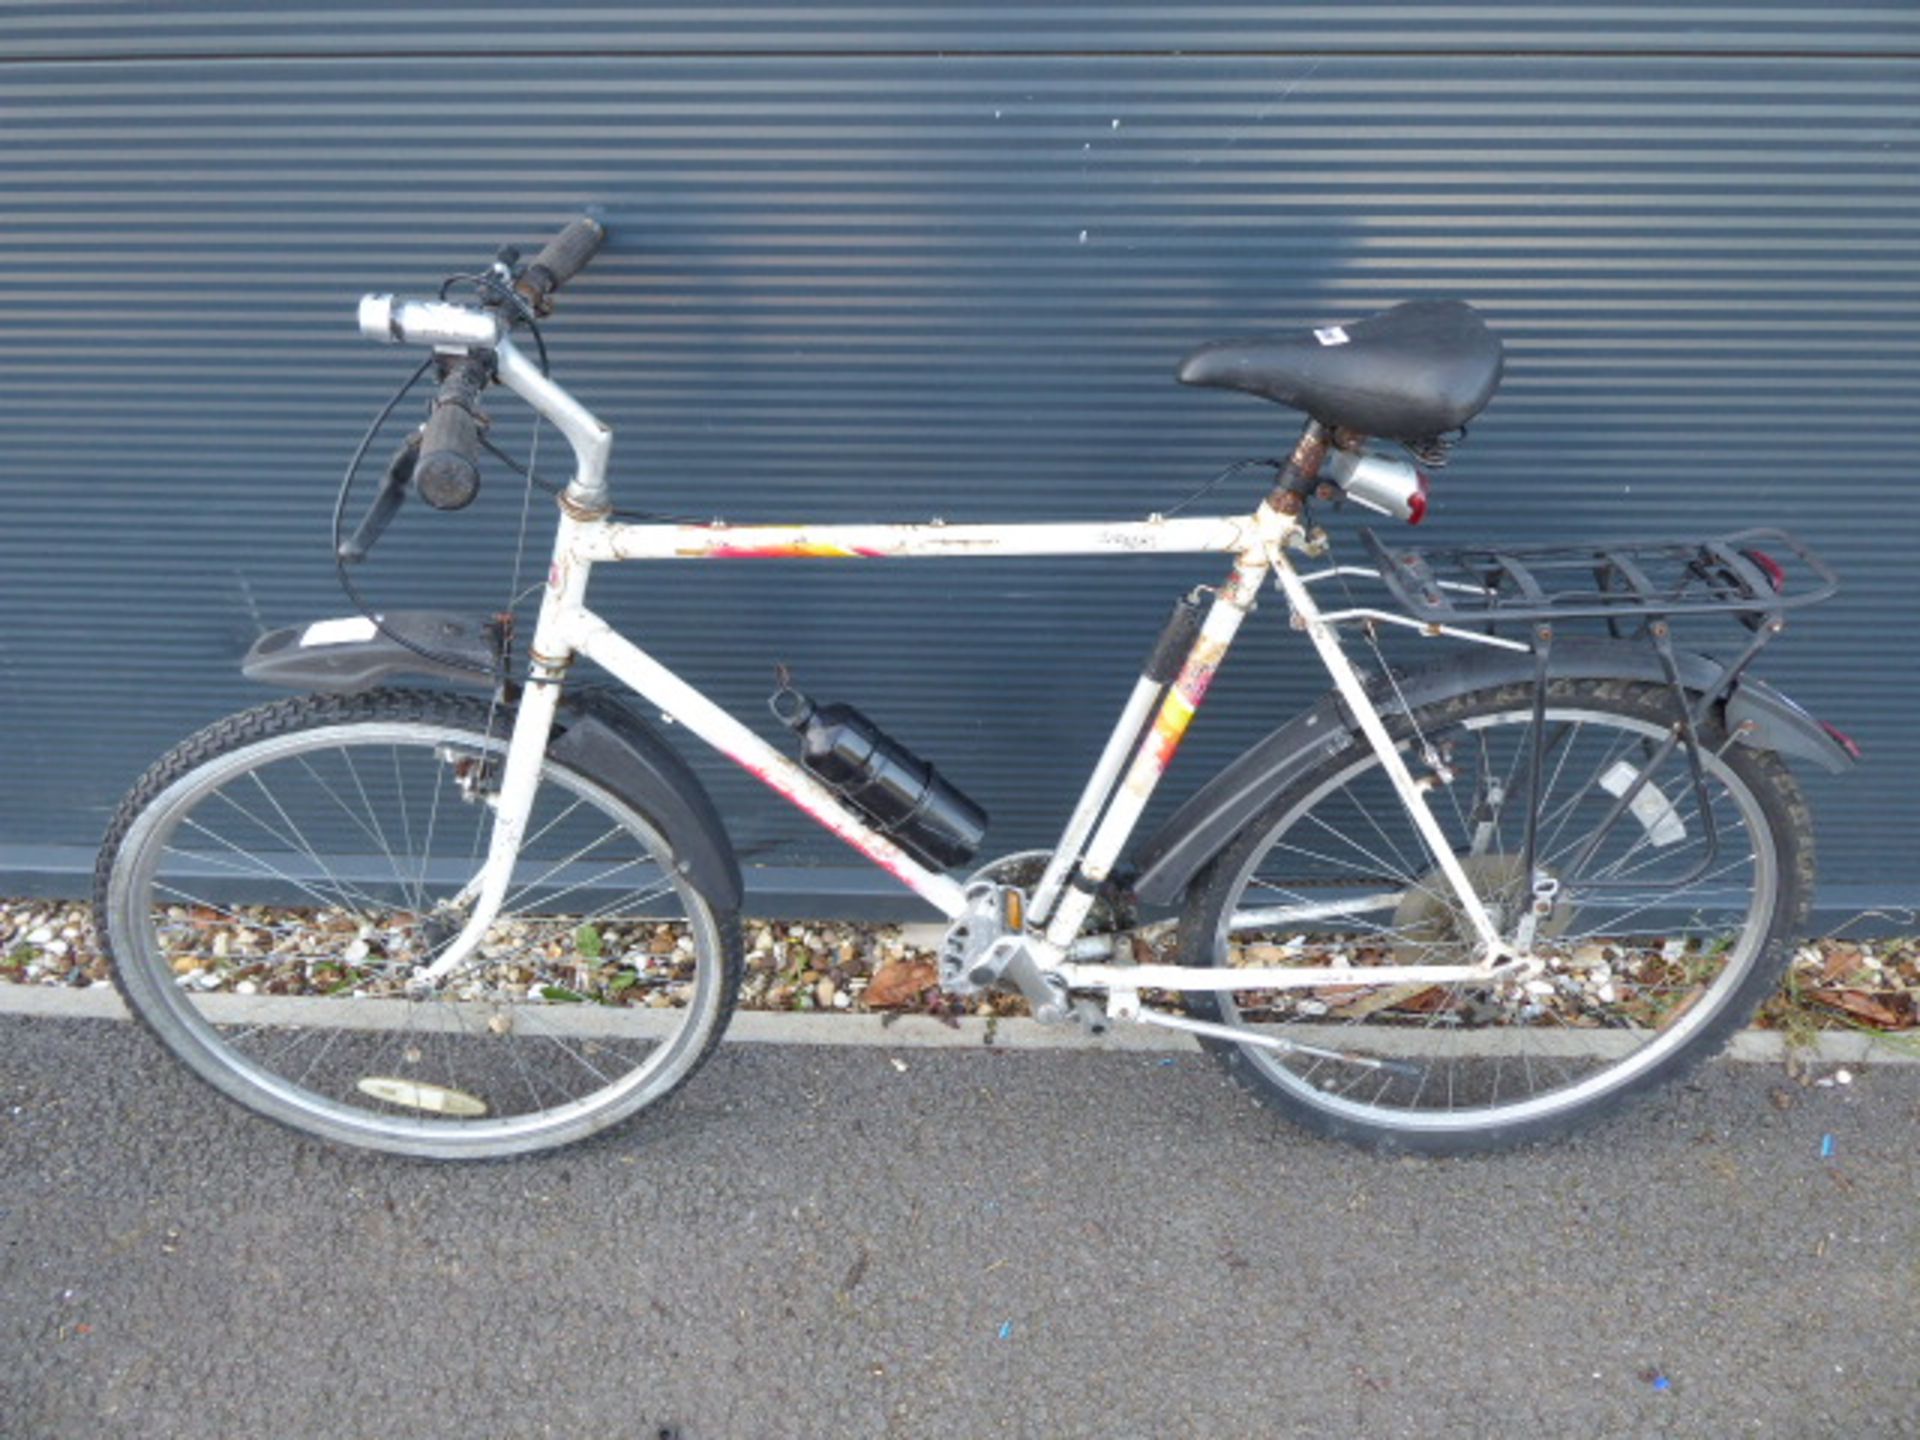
(1738, 574)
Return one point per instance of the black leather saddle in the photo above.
(1417, 370)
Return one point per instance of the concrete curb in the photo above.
(920, 1032)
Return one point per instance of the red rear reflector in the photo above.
(1417, 502)
(1840, 737)
(1770, 567)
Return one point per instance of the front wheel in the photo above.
(269, 888)
(1665, 932)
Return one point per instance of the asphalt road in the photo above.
(811, 1242)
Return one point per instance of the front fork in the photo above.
(551, 653)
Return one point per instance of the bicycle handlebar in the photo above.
(564, 257)
(443, 461)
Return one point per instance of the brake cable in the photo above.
(488, 282)
(339, 519)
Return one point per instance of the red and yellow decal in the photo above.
(1176, 712)
(780, 550)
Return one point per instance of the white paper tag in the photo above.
(1650, 807)
(338, 632)
(1330, 335)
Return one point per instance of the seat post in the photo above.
(1301, 472)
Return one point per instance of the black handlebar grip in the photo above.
(565, 256)
(447, 475)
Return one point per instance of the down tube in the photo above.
(606, 647)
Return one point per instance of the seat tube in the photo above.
(1230, 606)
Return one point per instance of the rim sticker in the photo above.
(417, 1095)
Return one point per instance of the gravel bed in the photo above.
(815, 965)
(850, 967)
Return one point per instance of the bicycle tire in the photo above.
(234, 871)
(1655, 1015)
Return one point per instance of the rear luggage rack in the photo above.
(1738, 574)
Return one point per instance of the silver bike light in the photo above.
(427, 322)
(1379, 482)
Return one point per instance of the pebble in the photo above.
(40, 936)
(56, 948)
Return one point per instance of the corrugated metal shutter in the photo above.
(884, 262)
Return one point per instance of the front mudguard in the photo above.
(594, 732)
(1755, 714)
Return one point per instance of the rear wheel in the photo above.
(269, 888)
(1642, 980)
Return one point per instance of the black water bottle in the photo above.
(902, 795)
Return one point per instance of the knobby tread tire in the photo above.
(1789, 822)
(306, 712)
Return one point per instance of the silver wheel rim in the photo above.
(677, 1037)
(1752, 841)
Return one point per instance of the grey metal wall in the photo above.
(891, 261)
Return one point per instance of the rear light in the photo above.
(1840, 737)
(1379, 482)
(1417, 505)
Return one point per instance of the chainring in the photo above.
(1024, 868)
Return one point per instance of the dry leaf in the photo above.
(899, 982)
(1839, 965)
(1862, 1006)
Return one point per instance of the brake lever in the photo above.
(386, 501)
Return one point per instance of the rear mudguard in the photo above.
(594, 733)
(1755, 713)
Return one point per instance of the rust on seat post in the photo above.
(1296, 480)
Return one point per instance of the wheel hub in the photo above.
(1430, 915)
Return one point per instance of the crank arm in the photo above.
(1405, 1069)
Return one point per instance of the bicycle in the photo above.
(1455, 907)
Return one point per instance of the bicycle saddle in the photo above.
(1419, 369)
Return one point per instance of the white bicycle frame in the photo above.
(1143, 742)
